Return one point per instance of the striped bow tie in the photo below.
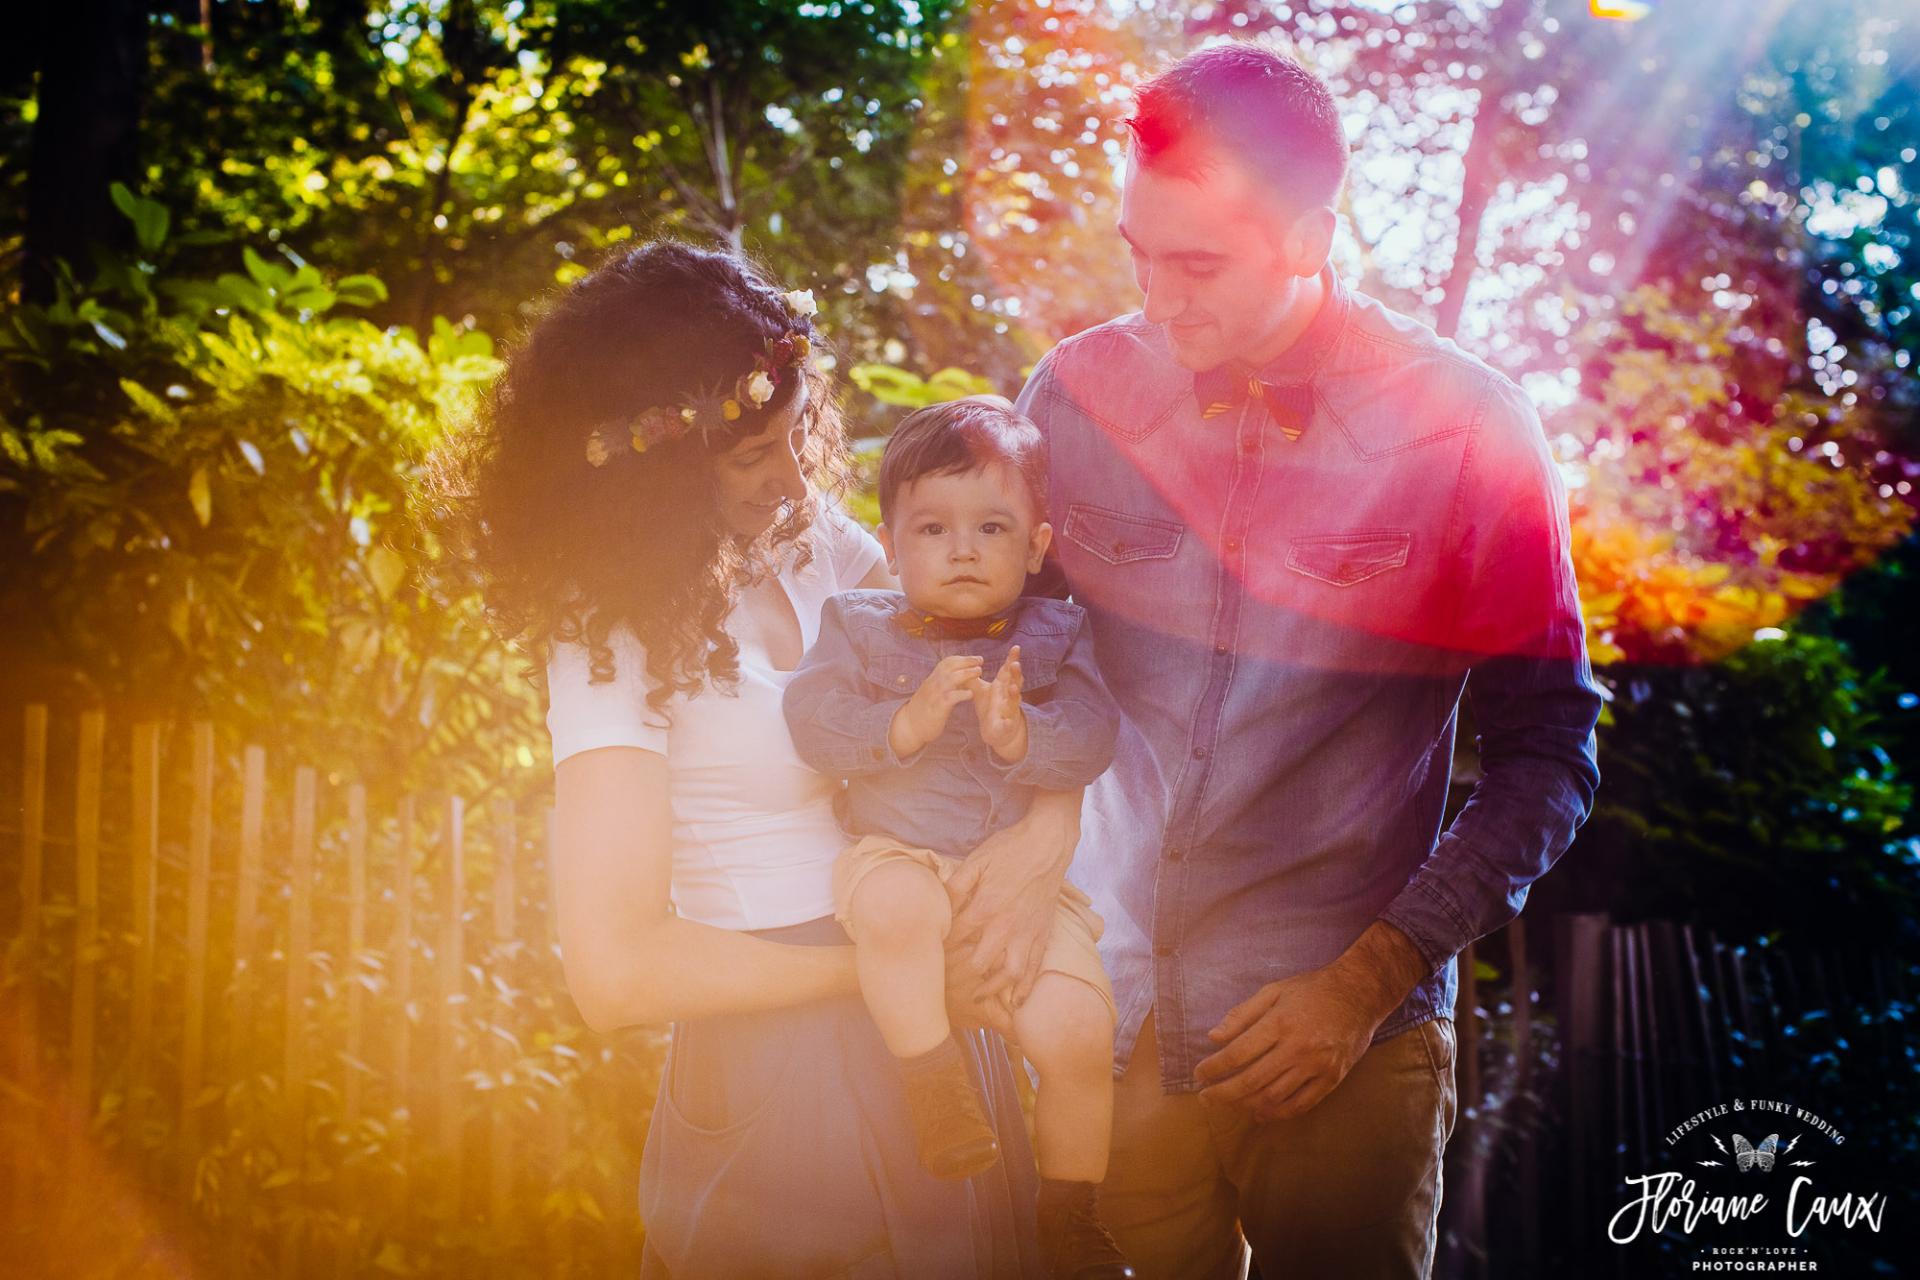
(1222, 390)
(931, 626)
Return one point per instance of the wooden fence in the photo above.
(335, 1040)
(341, 1035)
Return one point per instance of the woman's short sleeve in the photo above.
(848, 547)
(582, 716)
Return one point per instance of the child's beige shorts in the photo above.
(1071, 948)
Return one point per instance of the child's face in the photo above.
(964, 544)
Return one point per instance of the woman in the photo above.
(653, 491)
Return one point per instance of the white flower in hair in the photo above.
(597, 449)
(801, 303)
(759, 387)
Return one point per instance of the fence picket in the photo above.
(33, 821)
(448, 1091)
(354, 966)
(86, 932)
(402, 963)
(246, 913)
(299, 953)
(499, 1137)
(24, 1010)
(199, 892)
(145, 869)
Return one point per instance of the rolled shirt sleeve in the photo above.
(1530, 690)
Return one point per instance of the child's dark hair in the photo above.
(960, 436)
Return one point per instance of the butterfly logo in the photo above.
(1746, 1156)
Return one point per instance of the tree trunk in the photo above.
(1482, 165)
(1476, 189)
(86, 137)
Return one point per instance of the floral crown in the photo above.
(716, 408)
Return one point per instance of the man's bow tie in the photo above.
(931, 626)
(1221, 390)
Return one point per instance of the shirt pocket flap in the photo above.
(898, 673)
(1344, 559)
(1119, 538)
(1038, 672)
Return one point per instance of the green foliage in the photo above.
(903, 389)
(1756, 794)
(214, 479)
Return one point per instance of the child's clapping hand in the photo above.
(1003, 724)
(923, 717)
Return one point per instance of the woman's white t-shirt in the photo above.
(754, 835)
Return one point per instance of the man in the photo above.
(1302, 525)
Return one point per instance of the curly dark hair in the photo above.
(569, 551)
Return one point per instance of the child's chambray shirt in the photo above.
(954, 792)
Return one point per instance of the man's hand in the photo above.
(1296, 1039)
(1005, 894)
(969, 1003)
(1003, 724)
(922, 717)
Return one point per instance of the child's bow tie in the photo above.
(931, 626)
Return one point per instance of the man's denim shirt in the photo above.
(1288, 625)
(954, 792)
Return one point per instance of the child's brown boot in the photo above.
(1074, 1243)
(949, 1124)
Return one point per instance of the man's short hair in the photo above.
(960, 436)
(1251, 103)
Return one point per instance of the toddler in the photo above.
(895, 697)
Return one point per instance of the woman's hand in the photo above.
(1005, 895)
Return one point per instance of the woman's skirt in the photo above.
(780, 1147)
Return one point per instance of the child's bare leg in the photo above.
(900, 919)
(1067, 1033)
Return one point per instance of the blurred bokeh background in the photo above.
(280, 991)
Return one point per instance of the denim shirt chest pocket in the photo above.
(1145, 568)
(1348, 559)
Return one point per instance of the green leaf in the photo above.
(201, 495)
(890, 385)
(264, 273)
(360, 290)
(12, 445)
(149, 217)
(146, 402)
(313, 299)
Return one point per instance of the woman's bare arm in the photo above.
(628, 959)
